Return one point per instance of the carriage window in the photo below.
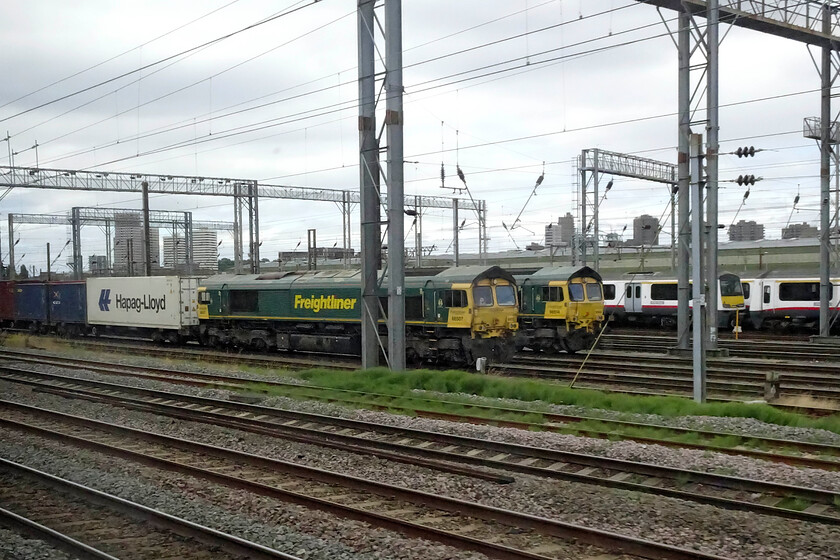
(766, 294)
(593, 292)
(576, 292)
(552, 293)
(663, 291)
(609, 291)
(638, 292)
(801, 291)
(454, 298)
(244, 301)
(483, 296)
(505, 295)
(629, 294)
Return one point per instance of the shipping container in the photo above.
(31, 303)
(67, 303)
(7, 302)
(156, 302)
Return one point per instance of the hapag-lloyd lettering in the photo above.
(137, 304)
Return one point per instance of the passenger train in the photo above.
(782, 301)
(652, 298)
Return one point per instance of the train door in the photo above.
(633, 297)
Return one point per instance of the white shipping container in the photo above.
(158, 302)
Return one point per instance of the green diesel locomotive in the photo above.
(454, 317)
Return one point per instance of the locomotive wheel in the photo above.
(259, 345)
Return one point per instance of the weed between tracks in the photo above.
(457, 384)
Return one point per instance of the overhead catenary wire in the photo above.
(160, 61)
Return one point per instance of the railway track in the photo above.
(90, 524)
(822, 456)
(425, 447)
(728, 378)
(754, 346)
(467, 525)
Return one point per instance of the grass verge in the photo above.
(404, 385)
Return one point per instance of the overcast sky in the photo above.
(503, 89)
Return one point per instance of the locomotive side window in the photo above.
(766, 294)
(454, 298)
(576, 292)
(609, 291)
(204, 297)
(663, 291)
(799, 291)
(552, 293)
(244, 301)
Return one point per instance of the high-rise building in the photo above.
(567, 228)
(562, 232)
(645, 230)
(129, 249)
(204, 247)
(174, 251)
(794, 231)
(552, 235)
(746, 231)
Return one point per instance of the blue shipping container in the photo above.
(31, 302)
(67, 303)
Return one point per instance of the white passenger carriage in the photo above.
(651, 298)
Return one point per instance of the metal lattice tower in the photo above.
(387, 29)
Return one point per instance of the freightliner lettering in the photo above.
(317, 303)
(138, 304)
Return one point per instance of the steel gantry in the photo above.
(593, 163)
(811, 22)
(107, 217)
(245, 192)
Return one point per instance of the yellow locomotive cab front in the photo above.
(495, 304)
